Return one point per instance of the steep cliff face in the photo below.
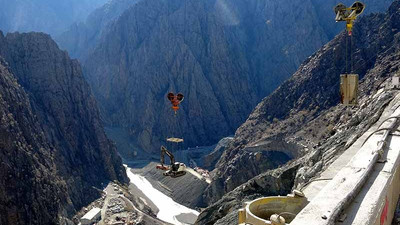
(66, 118)
(138, 46)
(309, 113)
(223, 55)
(82, 37)
(30, 191)
(47, 16)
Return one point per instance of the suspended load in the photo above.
(348, 14)
(175, 169)
(175, 140)
(348, 89)
(396, 82)
(175, 100)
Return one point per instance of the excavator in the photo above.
(176, 169)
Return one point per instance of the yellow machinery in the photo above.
(349, 14)
(277, 210)
(348, 89)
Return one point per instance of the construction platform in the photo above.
(362, 186)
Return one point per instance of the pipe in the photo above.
(382, 129)
(350, 195)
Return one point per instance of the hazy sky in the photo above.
(49, 16)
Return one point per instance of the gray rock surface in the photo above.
(225, 56)
(273, 182)
(73, 152)
(309, 113)
(82, 37)
(30, 191)
(211, 159)
(48, 16)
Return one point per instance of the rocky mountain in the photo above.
(47, 16)
(309, 123)
(54, 151)
(225, 56)
(82, 37)
(28, 172)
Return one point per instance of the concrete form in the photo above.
(362, 192)
(91, 217)
(349, 88)
(259, 211)
(396, 82)
(357, 188)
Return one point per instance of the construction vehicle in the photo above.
(175, 169)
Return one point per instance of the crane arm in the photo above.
(164, 152)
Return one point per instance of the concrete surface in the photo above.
(348, 173)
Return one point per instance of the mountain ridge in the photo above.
(66, 117)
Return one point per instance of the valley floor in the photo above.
(168, 210)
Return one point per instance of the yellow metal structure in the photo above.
(349, 14)
(259, 211)
(349, 89)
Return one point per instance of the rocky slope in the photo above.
(309, 114)
(63, 151)
(211, 159)
(223, 55)
(82, 37)
(186, 190)
(28, 172)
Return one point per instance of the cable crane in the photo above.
(348, 14)
(175, 169)
(348, 81)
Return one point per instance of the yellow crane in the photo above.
(348, 81)
(349, 15)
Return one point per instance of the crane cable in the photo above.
(349, 38)
(372, 57)
(351, 53)
(175, 123)
(347, 53)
